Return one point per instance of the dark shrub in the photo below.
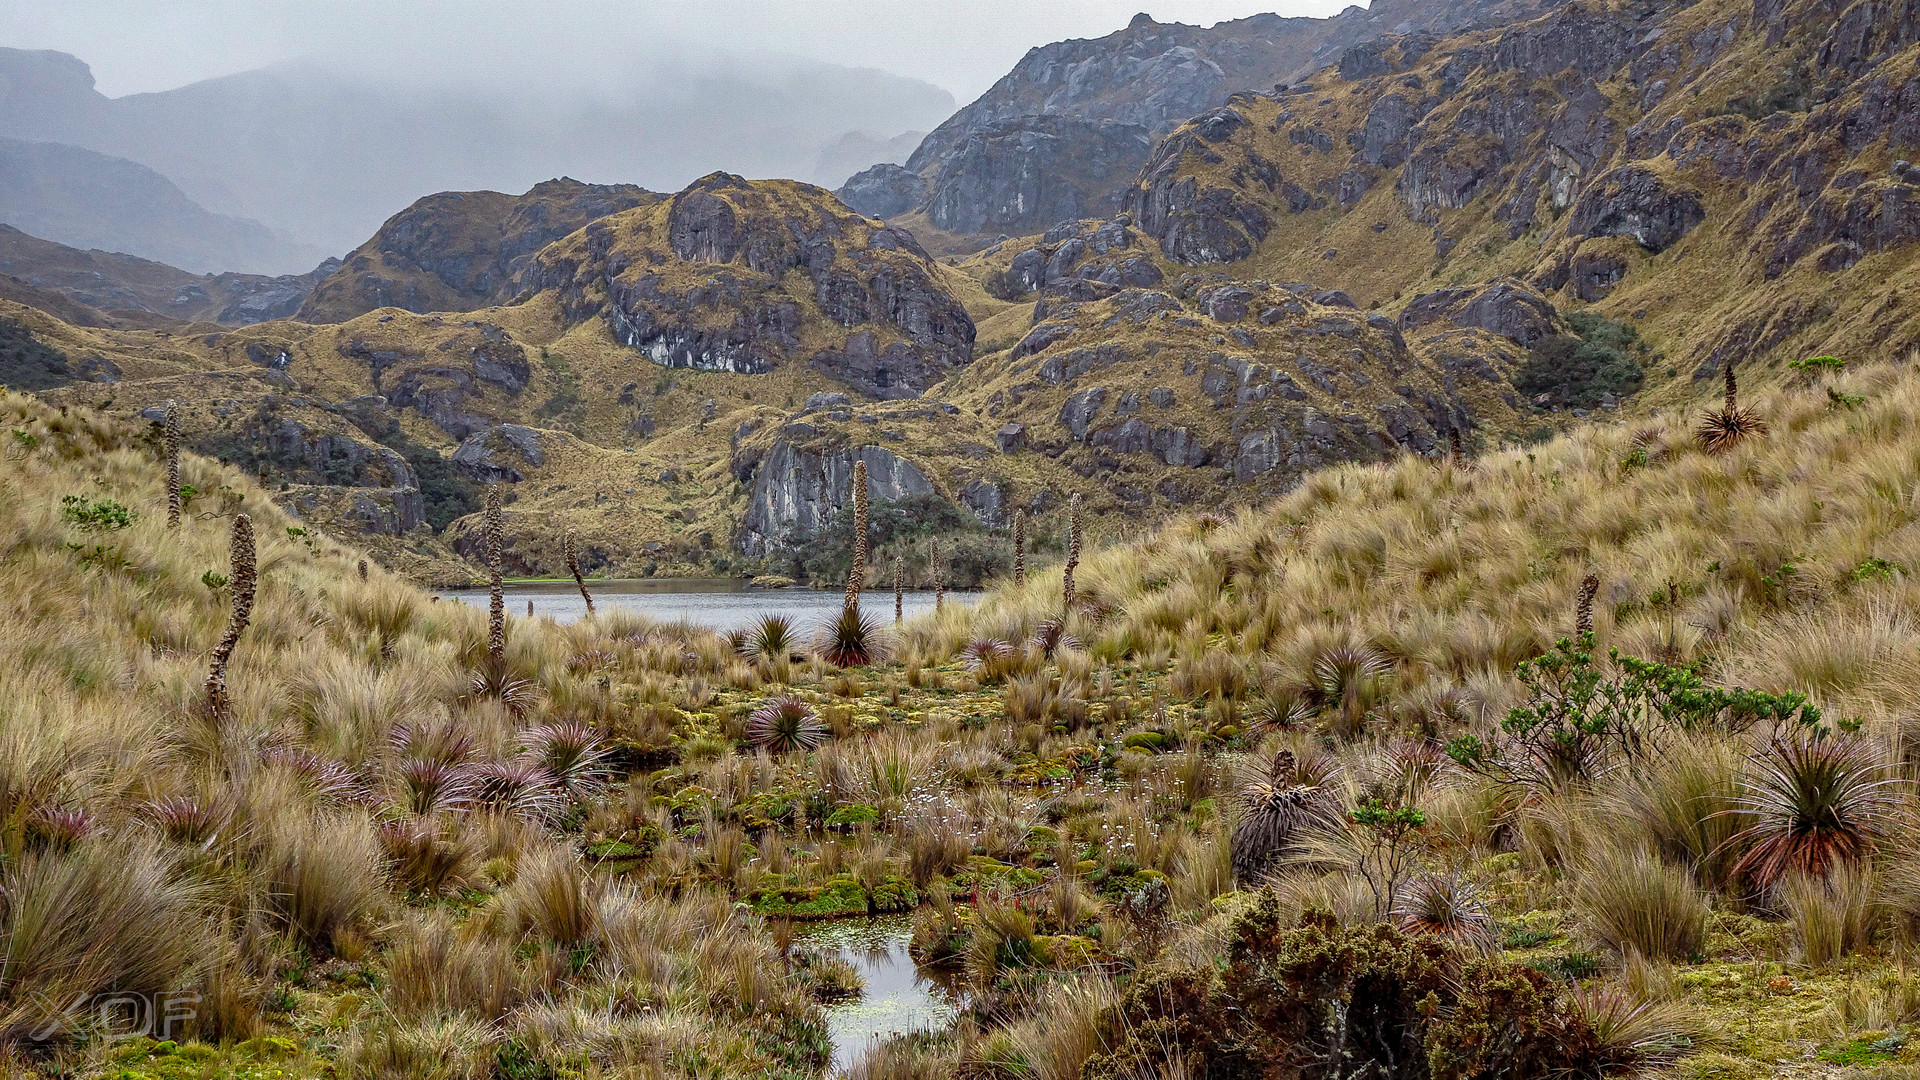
(26, 363)
(1320, 1002)
(1600, 357)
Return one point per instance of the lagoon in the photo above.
(721, 604)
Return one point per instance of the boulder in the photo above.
(1080, 409)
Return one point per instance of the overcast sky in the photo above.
(959, 45)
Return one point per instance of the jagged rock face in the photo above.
(701, 281)
(1024, 175)
(1568, 130)
(1082, 254)
(1507, 307)
(884, 191)
(462, 250)
(1252, 382)
(1634, 201)
(1150, 76)
(1156, 75)
(1197, 224)
(798, 489)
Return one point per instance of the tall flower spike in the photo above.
(1019, 548)
(573, 567)
(1732, 425)
(857, 576)
(937, 567)
(171, 433)
(1583, 610)
(496, 596)
(1073, 551)
(899, 589)
(241, 555)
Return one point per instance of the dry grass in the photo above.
(1070, 810)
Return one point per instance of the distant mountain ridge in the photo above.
(111, 289)
(85, 199)
(327, 152)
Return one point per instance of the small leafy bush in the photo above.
(95, 515)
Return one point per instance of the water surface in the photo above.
(899, 996)
(721, 604)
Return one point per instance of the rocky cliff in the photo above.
(1729, 176)
(746, 277)
(462, 250)
(1073, 120)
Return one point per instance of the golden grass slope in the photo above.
(1787, 564)
(257, 860)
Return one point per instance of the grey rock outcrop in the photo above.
(798, 490)
(484, 455)
(1634, 201)
(1023, 175)
(1505, 307)
(884, 190)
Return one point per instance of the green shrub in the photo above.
(1601, 356)
(95, 515)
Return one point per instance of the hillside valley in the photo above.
(1437, 489)
(1464, 233)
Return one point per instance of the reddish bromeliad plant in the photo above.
(1819, 801)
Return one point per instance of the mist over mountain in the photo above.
(88, 200)
(325, 152)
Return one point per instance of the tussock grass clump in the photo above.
(1634, 902)
(786, 724)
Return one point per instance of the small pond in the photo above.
(721, 604)
(899, 995)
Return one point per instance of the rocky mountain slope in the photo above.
(687, 384)
(88, 200)
(1463, 238)
(1058, 136)
(113, 289)
(462, 250)
(1729, 177)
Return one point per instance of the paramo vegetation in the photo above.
(1590, 758)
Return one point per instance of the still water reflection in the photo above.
(720, 603)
